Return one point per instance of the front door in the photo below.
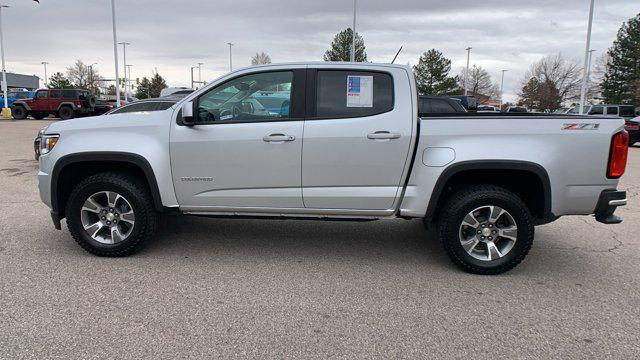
(245, 150)
(357, 138)
(41, 101)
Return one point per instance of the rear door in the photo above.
(357, 137)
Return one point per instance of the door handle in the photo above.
(383, 135)
(278, 138)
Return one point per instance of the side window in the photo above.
(612, 110)
(440, 106)
(55, 94)
(254, 97)
(68, 94)
(627, 111)
(41, 94)
(344, 94)
(164, 105)
(597, 110)
(139, 107)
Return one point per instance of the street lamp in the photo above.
(90, 77)
(115, 50)
(193, 67)
(45, 73)
(466, 73)
(6, 112)
(502, 88)
(353, 34)
(589, 70)
(585, 75)
(200, 73)
(127, 79)
(230, 58)
(124, 54)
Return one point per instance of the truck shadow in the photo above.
(388, 240)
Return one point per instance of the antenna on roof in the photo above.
(398, 53)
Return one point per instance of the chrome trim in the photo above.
(619, 202)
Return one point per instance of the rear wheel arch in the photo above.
(70, 170)
(517, 176)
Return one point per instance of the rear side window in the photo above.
(55, 94)
(69, 94)
(627, 111)
(345, 94)
(612, 110)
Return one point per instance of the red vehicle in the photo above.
(63, 103)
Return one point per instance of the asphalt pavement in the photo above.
(214, 288)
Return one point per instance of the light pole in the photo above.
(466, 73)
(128, 79)
(200, 74)
(90, 77)
(115, 50)
(45, 72)
(6, 112)
(502, 88)
(589, 70)
(585, 75)
(124, 55)
(353, 34)
(230, 59)
(193, 67)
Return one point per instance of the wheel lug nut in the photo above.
(482, 237)
(103, 218)
(490, 238)
(108, 222)
(479, 232)
(483, 225)
(490, 225)
(493, 232)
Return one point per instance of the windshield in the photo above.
(576, 110)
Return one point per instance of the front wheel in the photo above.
(486, 229)
(111, 214)
(19, 113)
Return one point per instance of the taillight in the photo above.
(630, 125)
(618, 155)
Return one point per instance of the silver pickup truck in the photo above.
(331, 141)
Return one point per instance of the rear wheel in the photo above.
(66, 112)
(19, 112)
(486, 229)
(111, 214)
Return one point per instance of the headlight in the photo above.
(47, 143)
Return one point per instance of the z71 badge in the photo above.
(193, 178)
(581, 126)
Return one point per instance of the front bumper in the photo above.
(607, 204)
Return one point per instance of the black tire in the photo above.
(136, 193)
(66, 112)
(39, 116)
(473, 197)
(19, 112)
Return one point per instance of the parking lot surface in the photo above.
(307, 289)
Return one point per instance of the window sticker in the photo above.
(359, 91)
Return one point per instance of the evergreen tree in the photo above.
(59, 81)
(432, 74)
(621, 84)
(340, 49)
(144, 89)
(156, 85)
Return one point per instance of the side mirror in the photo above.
(187, 113)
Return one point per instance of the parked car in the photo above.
(633, 128)
(63, 103)
(357, 149)
(516, 109)
(488, 109)
(429, 104)
(623, 111)
(156, 104)
(102, 106)
(176, 91)
(562, 110)
(15, 95)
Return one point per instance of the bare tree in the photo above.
(564, 74)
(479, 84)
(260, 58)
(84, 77)
(598, 70)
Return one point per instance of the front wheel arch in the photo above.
(72, 169)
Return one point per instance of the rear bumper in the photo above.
(607, 204)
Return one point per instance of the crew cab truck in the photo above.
(331, 141)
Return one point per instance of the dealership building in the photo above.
(20, 81)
